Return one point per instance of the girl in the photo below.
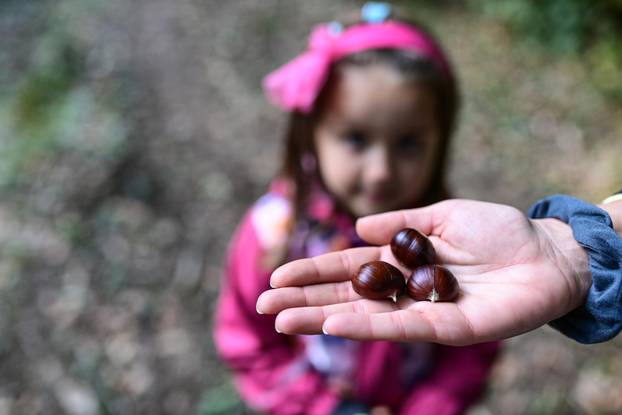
(372, 107)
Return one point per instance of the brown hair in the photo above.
(299, 137)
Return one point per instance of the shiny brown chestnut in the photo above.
(378, 280)
(432, 283)
(412, 249)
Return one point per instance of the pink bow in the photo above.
(296, 85)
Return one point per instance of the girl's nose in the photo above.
(378, 165)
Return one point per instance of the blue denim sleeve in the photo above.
(600, 318)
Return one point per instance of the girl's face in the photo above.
(377, 140)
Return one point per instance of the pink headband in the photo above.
(296, 85)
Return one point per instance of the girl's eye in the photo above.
(410, 143)
(355, 139)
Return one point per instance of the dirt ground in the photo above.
(110, 259)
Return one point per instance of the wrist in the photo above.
(598, 319)
(567, 256)
(614, 209)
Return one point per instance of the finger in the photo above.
(430, 322)
(278, 299)
(333, 267)
(379, 229)
(309, 320)
(395, 326)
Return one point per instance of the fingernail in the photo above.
(324, 330)
(258, 310)
(277, 330)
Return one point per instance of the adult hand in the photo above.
(515, 275)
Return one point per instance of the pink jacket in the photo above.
(272, 371)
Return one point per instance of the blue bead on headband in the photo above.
(375, 12)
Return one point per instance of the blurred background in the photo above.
(134, 134)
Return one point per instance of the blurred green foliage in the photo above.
(562, 25)
(580, 28)
(47, 82)
(221, 400)
(53, 108)
(32, 114)
(587, 30)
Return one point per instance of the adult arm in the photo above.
(515, 275)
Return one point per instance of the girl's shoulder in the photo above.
(271, 217)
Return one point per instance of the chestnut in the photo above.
(412, 249)
(433, 283)
(378, 280)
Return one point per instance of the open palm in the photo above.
(514, 276)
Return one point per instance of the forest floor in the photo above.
(113, 223)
